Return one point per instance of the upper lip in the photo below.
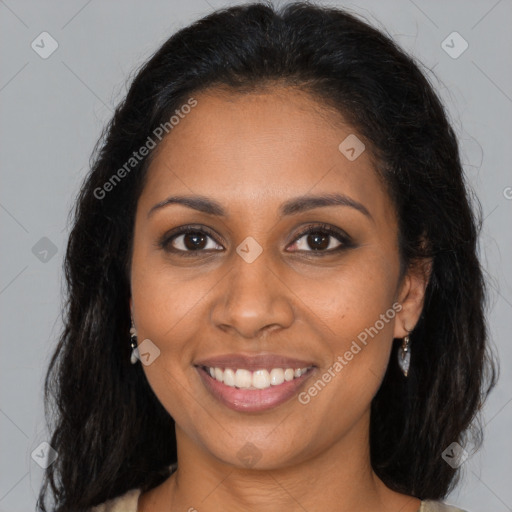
(253, 362)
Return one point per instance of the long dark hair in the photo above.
(109, 429)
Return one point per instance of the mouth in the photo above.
(258, 384)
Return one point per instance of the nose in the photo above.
(252, 300)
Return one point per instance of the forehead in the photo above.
(262, 146)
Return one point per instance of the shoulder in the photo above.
(437, 506)
(128, 502)
(125, 503)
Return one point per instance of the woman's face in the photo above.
(245, 290)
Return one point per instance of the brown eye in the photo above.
(318, 241)
(194, 241)
(190, 241)
(322, 239)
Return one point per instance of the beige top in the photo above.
(128, 503)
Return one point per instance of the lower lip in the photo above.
(252, 400)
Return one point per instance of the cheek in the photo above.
(343, 305)
(355, 312)
(163, 299)
(352, 297)
(163, 312)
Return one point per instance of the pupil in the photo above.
(318, 241)
(194, 241)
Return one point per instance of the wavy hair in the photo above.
(108, 427)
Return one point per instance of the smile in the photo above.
(259, 379)
(244, 390)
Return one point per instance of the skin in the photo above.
(251, 153)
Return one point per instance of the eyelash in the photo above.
(343, 238)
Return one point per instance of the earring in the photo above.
(133, 343)
(404, 356)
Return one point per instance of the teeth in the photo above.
(259, 379)
(229, 377)
(288, 374)
(276, 376)
(243, 378)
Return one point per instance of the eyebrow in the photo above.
(291, 207)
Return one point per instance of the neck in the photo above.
(340, 478)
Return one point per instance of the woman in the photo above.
(277, 234)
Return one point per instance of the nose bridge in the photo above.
(254, 298)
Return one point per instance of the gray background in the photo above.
(52, 112)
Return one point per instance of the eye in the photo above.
(192, 240)
(321, 239)
(189, 239)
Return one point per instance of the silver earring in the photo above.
(133, 342)
(404, 356)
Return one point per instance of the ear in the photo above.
(411, 296)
